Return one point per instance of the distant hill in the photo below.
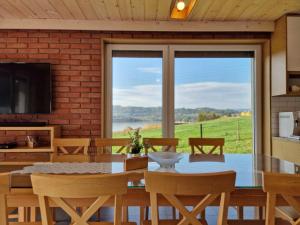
(135, 114)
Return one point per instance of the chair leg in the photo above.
(174, 213)
(125, 214)
(240, 212)
(142, 214)
(203, 214)
(147, 213)
(32, 214)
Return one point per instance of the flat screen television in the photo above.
(25, 88)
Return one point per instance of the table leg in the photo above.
(3, 210)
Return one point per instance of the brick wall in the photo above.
(76, 63)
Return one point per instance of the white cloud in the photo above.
(155, 70)
(193, 95)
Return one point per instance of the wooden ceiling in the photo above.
(144, 10)
(140, 10)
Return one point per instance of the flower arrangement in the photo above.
(136, 145)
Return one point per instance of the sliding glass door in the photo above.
(185, 91)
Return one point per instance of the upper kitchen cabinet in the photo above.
(285, 48)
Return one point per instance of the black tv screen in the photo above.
(25, 88)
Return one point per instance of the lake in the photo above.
(120, 126)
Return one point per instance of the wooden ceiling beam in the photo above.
(108, 25)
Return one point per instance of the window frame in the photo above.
(168, 114)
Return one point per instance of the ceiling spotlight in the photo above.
(180, 5)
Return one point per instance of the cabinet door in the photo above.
(293, 43)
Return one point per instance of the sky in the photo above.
(222, 83)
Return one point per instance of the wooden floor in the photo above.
(165, 213)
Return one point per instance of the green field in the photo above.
(237, 132)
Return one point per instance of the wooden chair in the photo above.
(131, 164)
(200, 143)
(102, 144)
(285, 185)
(4, 190)
(71, 146)
(167, 144)
(101, 187)
(172, 185)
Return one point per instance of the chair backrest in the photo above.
(71, 145)
(173, 185)
(200, 143)
(136, 163)
(104, 145)
(286, 185)
(4, 190)
(101, 187)
(70, 158)
(167, 144)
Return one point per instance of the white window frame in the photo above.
(168, 83)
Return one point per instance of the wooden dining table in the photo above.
(248, 187)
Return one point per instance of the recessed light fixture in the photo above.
(180, 5)
(181, 9)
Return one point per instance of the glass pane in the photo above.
(213, 99)
(137, 95)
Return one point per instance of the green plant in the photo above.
(136, 145)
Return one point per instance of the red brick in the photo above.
(49, 40)
(59, 46)
(70, 51)
(38, 34)
(38, 56)
(61, 99)
(17, 56)
(81, 57)
(38, 45)
(81, 46)
(90, 84)
(8, 40)
(91, 40)
(70, 62)
(61, 78)
(70, 40)
(28, 50)
(16, 45)
(80, 78)
(17, 34)
(28, 40)
(80, 35)
(59, 122)
(67, 84)
(47, 50)
(67, 95)
(7, 50)
(80, 68)
(81, 111)
(62, 89)
(80, 100)
(80, 89)
(59, 56)
(90, 51)
(90, 62)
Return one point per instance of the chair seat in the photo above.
(288, 212)
(169, 222)
(256, 222)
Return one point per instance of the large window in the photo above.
(185, 91)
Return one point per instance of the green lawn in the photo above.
(237, 132)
